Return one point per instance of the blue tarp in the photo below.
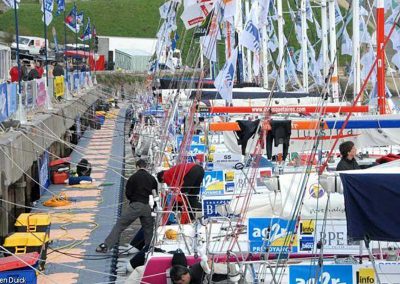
(372, 205)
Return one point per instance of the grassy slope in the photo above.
(133, 18)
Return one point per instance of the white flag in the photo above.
(250, 36)
(10, 3)
(390, 20)
(338, 14)
(365, 36)
(396, 60)
(347, 44)
(224, 81)
(166, 10)
(256, 63)
(230, 8)
(48, 11)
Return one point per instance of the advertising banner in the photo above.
(41, 93)
(3, 102)
(274, 234)
(12, 98)
(59, 86)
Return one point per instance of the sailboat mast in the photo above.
(332, 45)
(324, 46)
(248, 53)
(281, 52)
(356, 48)
(264, 55)
(304, 42)
(380, 37)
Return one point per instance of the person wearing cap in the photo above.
(138, 189)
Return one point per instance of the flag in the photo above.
(10, 3)
(94, 32)
(347, 44)
(70, 20)
(174, 41)
(250, 36)
(48, 11)
(87, 34)
(229, 9)
(224, 81)
(338, 14)
(60, 7)
(167, 10)
(365, 36)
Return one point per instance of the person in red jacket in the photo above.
(39, 68)
(15, 75)
(186, 176)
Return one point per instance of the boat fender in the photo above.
(204, 264)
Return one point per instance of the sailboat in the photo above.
(277, 221)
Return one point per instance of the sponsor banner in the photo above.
(196, 139)
(29, 94)
(241, 180)
(3, 102)
(59, 86)
(225, 160)
(76, 81)
(210, 206)
(41, 93)
(44, 179)
(332, 234)
(213, 183)
(272, 234)
(12, 98)
(307, 274)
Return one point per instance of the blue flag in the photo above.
(87, 34)
(60, 7)
(70, 20)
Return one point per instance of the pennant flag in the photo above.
(250, 36)
(10, 3)
(338, 14)
(229, 9)
(60, 7)
(365, 36)
(48, 11)
(70, 20)
(174, 41)
(167, 10)
(224, 81)
(94, 32)
(203, 28)
(193, 15)
(309, 13)
(390, 20)
(87, 34)
(396, 60)
(347, 44)
(209, 42)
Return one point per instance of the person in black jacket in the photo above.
(138, 189)
(58, 70)
(348, 161)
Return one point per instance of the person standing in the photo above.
(138, 189)
(348, 152)
(39, 69)
(15, 74)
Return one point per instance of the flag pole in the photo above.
(76, 36)
(17, 52)
(65, 47)
(45, 42)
